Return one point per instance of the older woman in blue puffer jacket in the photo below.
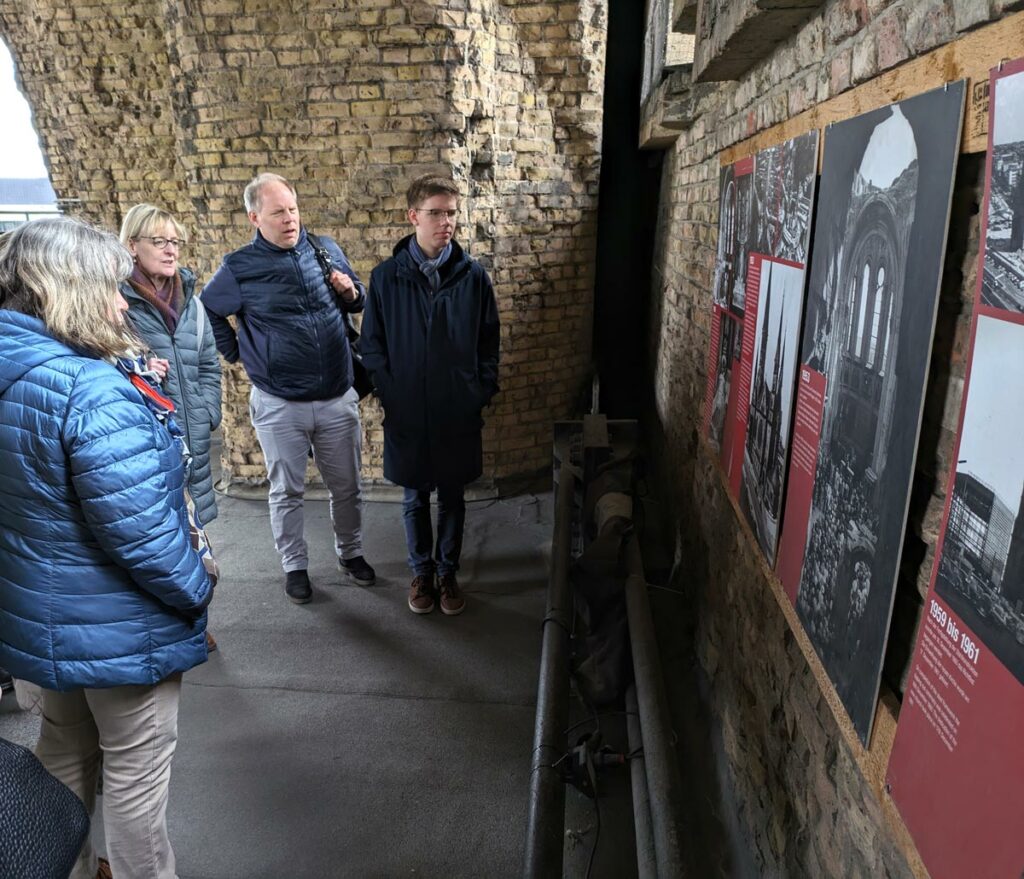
(102, 598)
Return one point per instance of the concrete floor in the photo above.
(349, 737)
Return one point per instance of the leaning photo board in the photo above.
(765, 210)
(956, 772)
(878, 247)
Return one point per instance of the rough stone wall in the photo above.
(803, 798)
(183, 101)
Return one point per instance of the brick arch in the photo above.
(182, 101)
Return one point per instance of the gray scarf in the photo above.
(430, 267)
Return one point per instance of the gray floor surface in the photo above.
(349, 737)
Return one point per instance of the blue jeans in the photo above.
(451, 517)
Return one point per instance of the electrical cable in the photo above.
(597, 838)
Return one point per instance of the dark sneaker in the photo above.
(297, 586)
(453, 602)
(6, 681)
(357, 570)
(421, 594)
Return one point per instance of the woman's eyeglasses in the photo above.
(159, 242)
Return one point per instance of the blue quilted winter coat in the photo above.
(99, 585)
(193, 381)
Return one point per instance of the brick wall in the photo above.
(810, 799)
(182, 103)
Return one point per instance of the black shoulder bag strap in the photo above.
(361, 380)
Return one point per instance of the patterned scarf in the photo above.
(167, 300)
(430, 267)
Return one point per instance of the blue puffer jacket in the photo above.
(291, 332)
(193, 381)
(99, 585)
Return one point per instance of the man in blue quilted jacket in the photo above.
(291, 338)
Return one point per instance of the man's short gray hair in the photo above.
(253, 194)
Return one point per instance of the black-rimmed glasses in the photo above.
(159, 242)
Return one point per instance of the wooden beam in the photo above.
(971, 56)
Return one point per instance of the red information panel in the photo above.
(810, 409)
(765, 208)
(957, 767)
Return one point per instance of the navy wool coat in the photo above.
(99, 585)
(192, 383)
(434, 360)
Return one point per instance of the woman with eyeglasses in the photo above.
(164, 309)
(102, 598)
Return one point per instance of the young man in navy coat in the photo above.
(430, 338)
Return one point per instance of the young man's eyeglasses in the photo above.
(159, 242)
(437, 214)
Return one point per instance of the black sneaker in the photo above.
(297, 586)
(6, 681)
(358, 571)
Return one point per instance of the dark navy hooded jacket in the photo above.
(291, 331)
(434, 360)
(99, 585)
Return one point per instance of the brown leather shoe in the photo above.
(421, 594)
(211, 645)
(453, 602)
(104, 869)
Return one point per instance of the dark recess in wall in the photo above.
(626, 221)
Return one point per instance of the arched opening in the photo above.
(25, 190)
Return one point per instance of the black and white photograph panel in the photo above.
(880, 233)
(783, 191)
(766, 451)
(1003, 278)
(734, 237)
(981, 570)
(729, 345)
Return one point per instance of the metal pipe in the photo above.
(663, 786)
(546, 826)
(646, 862)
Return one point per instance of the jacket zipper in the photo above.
(310, 303)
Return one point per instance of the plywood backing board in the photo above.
(971, 57)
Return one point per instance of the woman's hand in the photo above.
(159, 366)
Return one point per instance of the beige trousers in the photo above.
(136, 729)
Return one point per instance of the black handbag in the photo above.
(42, 824)
(361, 380)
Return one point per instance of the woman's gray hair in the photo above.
(66, 273)
(253, 194)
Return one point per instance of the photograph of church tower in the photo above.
(780, 305)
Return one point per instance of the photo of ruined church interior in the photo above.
(766, 450)
(730, 342)
(734, 239)
(980, 572)
(1003, 276)
(879, 241)
(783, 198)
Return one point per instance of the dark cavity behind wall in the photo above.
(626, 223)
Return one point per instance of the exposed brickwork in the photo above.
(805, 803)
(181, 103)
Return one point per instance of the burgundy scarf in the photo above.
(166, 300)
